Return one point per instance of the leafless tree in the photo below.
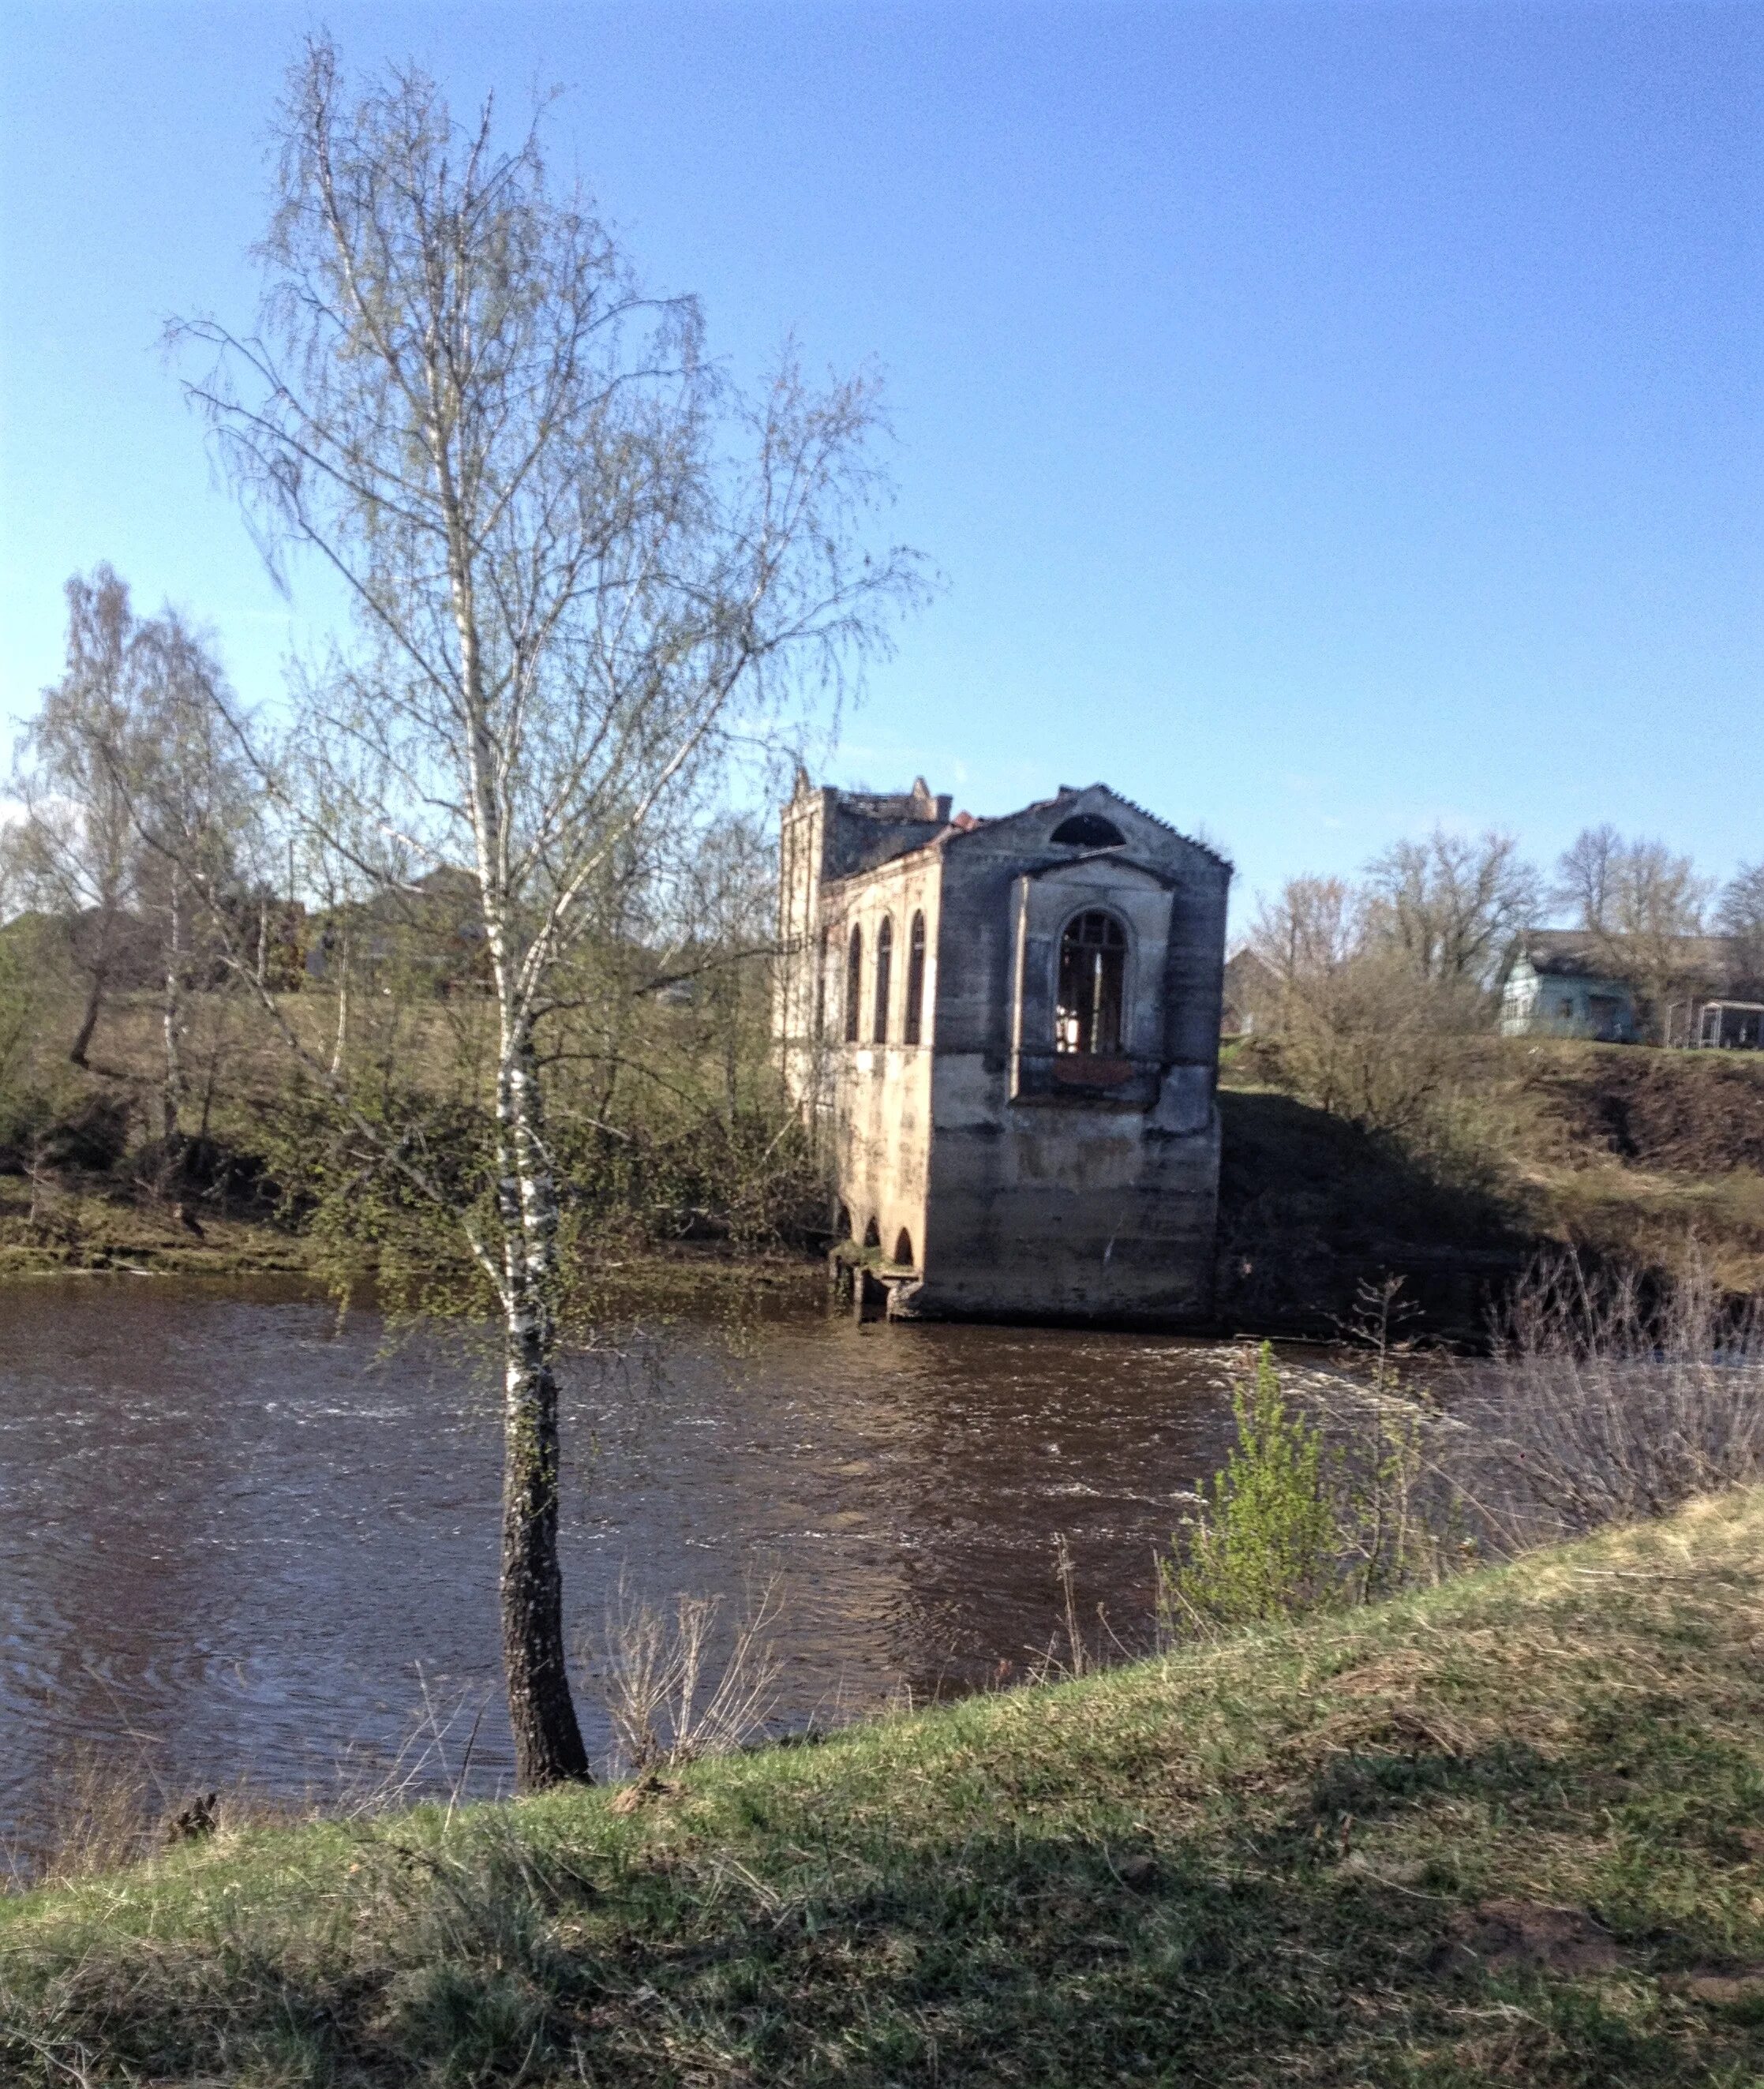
(1311, 928)
(1587, 874)
(1741, 916)
(190, 806)
(1642, 904)
(585, 572)
(75, 851)
(1361, 1031)
(1452, 904)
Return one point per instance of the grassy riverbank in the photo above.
(1509, 1831)
(1629, 1155)
(90, 1225)
(95, 1233)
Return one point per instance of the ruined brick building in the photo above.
(1007, 1031)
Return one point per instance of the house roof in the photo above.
(1720, 962)
(1250, 968)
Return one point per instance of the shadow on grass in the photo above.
(1315, 1919)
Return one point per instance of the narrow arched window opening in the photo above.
(824, 961)
(1094, 957)
(872, 1235)
(885, 958)
(914, 1032)
(854, 985)
(904, 1250)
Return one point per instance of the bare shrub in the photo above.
(97, 1815)
(1358, 1027)
(1608, 1398)
(1398, 1452)
(1070, 1652)
(669, 1693)
(433, 1760)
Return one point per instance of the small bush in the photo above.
(1267, 1542)
(674, 1689)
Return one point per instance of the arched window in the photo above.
(885, 955)
(914, 1032)
(854, 984)
(872, 1235)
(1088, 830)
(904, 1250)
(1093, 961)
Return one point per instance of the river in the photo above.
(242, 1539)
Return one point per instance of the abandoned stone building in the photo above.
(1007, 1034)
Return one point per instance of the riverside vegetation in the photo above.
(454, 981)
(685, 1172)
(1502, 1826)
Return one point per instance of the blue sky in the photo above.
(1329, 419)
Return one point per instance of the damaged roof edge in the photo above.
(870, 805)
(1067, 793)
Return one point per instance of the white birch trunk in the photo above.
(173, 1013)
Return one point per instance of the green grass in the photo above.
(1326, 1853)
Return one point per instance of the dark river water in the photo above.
(240, 1540)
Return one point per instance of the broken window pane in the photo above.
(1093, 954)
(1088, 830)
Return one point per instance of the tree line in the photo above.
(1372, 987)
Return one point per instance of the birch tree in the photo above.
(187, 788)
(585, 572)
(75, 851)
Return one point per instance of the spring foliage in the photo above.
(1266, 1542)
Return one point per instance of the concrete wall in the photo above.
(881, 1113)
(1080, 1207)
(1023, 1191)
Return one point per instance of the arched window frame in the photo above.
(884, 985)
(854, 983)
(1124, 1016)
(912, 1030)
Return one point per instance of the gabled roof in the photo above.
(1123, 866)
(1718, 962)
(1090, 797)
(1560, 953)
